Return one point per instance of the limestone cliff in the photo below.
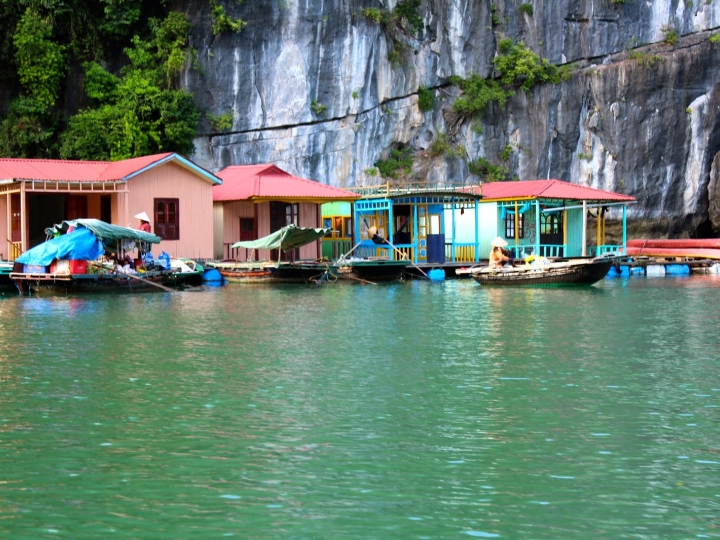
(324, 92)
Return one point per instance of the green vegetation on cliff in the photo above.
(97, 80)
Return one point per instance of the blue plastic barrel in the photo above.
(436, 274)
(677, 270)
(212, 274)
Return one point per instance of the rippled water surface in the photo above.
(411, 410)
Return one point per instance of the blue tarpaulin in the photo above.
(81, 244)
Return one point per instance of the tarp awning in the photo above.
(81, 244)
(105, 231)
(289, 237)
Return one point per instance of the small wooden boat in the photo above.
(271, 271)
(185, 272)
(369, 269)
(564, 272)
(6, 268)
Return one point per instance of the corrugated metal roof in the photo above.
(58, 170)
(549, 189)
(51, 169)
(269, 182)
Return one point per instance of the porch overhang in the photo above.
(61, 186)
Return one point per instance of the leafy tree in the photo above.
(519, 66)
(477, 94)
(139, 112)
(400, 161)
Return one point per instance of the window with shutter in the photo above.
(167, 219)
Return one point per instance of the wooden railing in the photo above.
(333, 248)
(15, 249)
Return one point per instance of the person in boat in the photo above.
(375, 237)
(144, 222)
(499, 256)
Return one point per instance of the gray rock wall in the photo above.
(644, 128)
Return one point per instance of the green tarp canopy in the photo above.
(289, 237)
(104, 231)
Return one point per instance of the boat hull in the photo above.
(85, 283)
(570, 273)
(370, 270)
(271, 272)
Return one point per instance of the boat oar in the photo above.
(163, 287)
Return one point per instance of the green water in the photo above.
(412, 410)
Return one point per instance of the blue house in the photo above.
(550, 218)
(414, 220)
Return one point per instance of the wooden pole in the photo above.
(584, 229)
(517, 230)
(23, 212)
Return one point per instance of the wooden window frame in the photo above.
(159, 227)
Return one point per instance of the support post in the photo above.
(416, 241)
(23, 219)
(624, 225)
(452, 240)
(517, 231)
(477, 234)
(390, 226)
(565, 229)
(8, 238)
(537, 227)
(584, 229)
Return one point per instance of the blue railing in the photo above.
(605, 248)
(546, 250)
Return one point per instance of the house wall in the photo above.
(218, 230)
(233, 211)
(4, 233)
(488, 226)
(170, 180)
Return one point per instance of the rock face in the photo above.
(312, 88)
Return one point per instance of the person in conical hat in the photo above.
(372, 231)
(144, 222)
(498, 255)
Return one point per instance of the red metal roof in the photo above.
(549, 189)
(269, 182)
(90, 171)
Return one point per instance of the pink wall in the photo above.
(4, 233)
(233, 211)
(171, 180)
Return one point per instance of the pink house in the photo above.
(174, 192)
(256, 200)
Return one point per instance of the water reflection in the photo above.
(403, 410)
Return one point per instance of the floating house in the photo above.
(549, 218)
(174, 192)
(413, 220)
(338, 217)
(256, 200)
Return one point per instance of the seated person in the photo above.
(498, 255)
(375, 237)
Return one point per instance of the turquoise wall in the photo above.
(574, 232)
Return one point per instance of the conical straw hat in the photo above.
(499, 242)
